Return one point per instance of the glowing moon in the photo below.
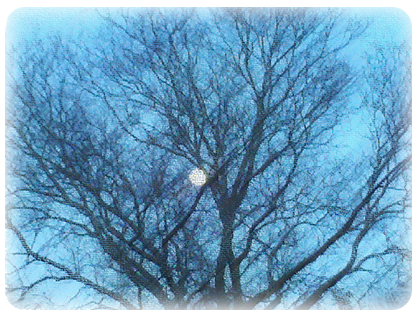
(197, 177)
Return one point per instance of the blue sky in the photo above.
(389, 24)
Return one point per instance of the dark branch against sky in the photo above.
(251, 178)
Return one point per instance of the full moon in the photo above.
(197, 177)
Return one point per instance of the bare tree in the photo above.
(102, 136)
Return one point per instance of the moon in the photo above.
(197, 177)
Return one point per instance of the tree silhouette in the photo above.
(103, 134)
